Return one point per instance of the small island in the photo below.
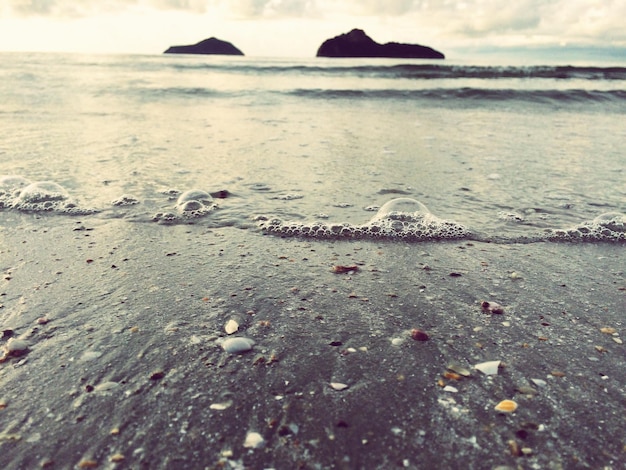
(358, 44)
(208, 46)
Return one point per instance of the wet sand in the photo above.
(124, 367)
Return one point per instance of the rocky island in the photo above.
(358, 44)
(208, 46)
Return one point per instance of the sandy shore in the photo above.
(124, 368)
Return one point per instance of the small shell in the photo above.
(338, 386)
(506, 406)
(488, 368)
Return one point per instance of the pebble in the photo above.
(253, 440)
(451, 389)
(237, 345)
(117, 458)
(232, 326)
(15, 347)
(419, 335)
(492, 307)
(617, 340)
(488, 368)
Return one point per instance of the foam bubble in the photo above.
(125, 200)
(40, 196)
(402, 218)
(608, 227)
(195, 203)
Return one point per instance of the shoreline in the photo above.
(127, 367)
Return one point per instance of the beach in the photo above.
(251, 263)
(124, 368)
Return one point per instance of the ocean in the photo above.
(506, 152)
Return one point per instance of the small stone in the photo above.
(419, 335)
(87, 464)
(237, 345)
(253, 440)
(116, 458)
(157, 375)
(397, 341)
(607, 330)
(451, 389)
(338, 386)
(617, 340)
(15, 347)
(492, 307)
(232, 326)
(557, 373)
(506, 406)
(488, 368)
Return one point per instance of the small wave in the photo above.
(469, 94)
(414, 71)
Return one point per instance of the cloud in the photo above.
(82, 8)
(582, 21)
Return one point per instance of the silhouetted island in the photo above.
(358, 44)
(208, 46)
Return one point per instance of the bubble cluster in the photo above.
(403, 219)
(195, 203)
(189, 205)
(125, 200)
(607, 227)
(40, 196)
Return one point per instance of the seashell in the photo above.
(221, 406)
(338, 386)
(253, 440)
(237, 345)
(232, 326)
(488, 368)
(459, 370)
(105, 386)
(492, 307)
(506, 406)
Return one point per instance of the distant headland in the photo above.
(358, 44)
(208, 46)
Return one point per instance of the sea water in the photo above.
(322, 148)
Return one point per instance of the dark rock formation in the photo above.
(358, 44)
(208, 46)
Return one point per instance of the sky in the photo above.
(296, 28)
